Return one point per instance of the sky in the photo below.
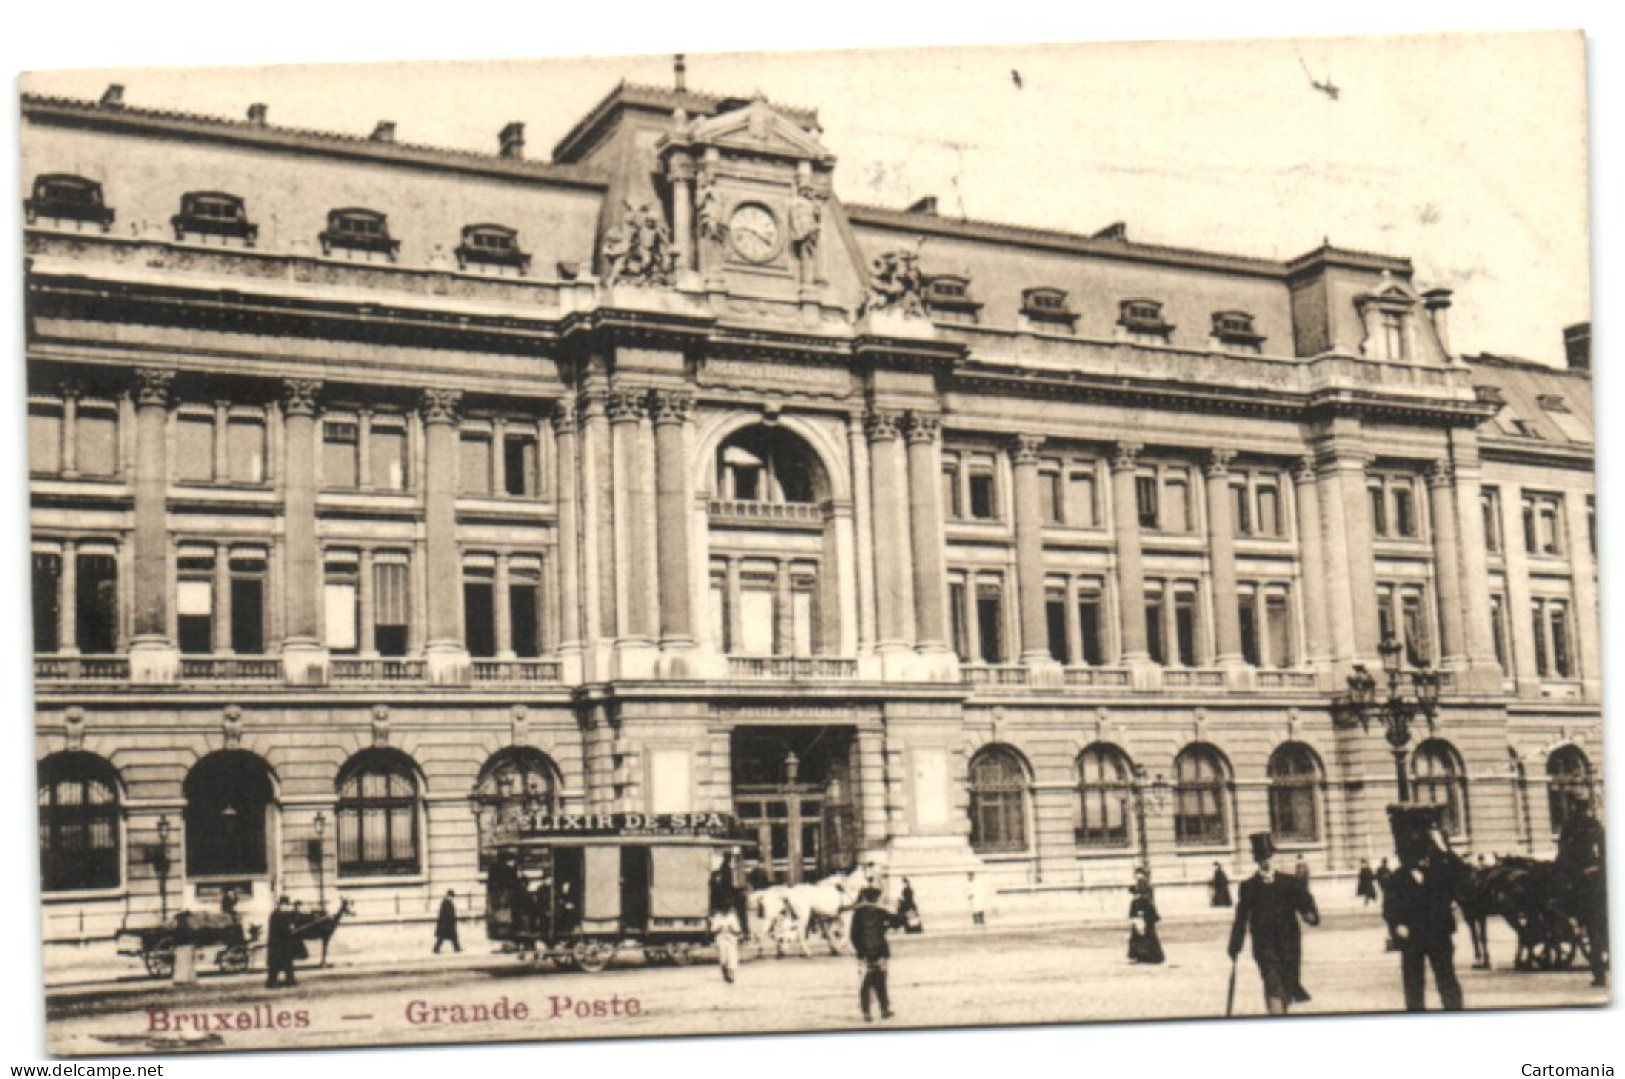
(1464, 152)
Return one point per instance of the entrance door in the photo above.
(792, 787)
(788, 824)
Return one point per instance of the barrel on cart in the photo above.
(575, 889)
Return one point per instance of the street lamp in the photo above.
(319, 852)
(161, 865)
(1360, 705)
(1141, 789)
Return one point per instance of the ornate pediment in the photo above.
(754, 129)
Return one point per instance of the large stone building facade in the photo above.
(379, 490)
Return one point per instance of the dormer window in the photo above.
(1386, 319)
(62, 197)
(1143, 321)
(1234, 329)
(1048, 308)
(214, 213)
(948, 299)
(354, 229)
(491, 245)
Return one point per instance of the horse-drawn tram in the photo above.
(576, 888)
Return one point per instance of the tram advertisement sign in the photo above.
(628, 825)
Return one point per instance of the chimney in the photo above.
(679, 73)
(512, 141)
(1437, 303)
(384, 132)
(1577, 345)
(256, 114)
(113, 96)
(926, 205)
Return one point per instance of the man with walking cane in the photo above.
(1268, 905)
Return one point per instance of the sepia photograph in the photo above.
(759, 542)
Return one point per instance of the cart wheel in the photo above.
(681, 953)
(592, 956)
(656, 956)
(160, 960)
(232, 960)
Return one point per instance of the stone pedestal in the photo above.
(154, 660)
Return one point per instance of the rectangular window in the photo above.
(1153, 626)
(524, 611)
(1418, 647)
(386, 456)
(1379, 511)
(982, 505)
(194, 604)
(339, 454)
(1489, 500)
(1145, 498)
(1405, 524)
(245, 449)
(1561, 663)
(45, 438)
(950, 491)
(96, 604)
(96, 437)
(479, 611)
(340, 597)
(392, 605)
(1269, 510)
(194, 448)
(247, 604)
(1498, 631)
(801, 620)
(990, 621)
(1278, 625)
(1176, 502)
(1591, 522)
(1385, 614)
(1051, 498)
(1081, 511)
(474, 471)
(756, 616)
(1089, 605)
(1185, 627)
(1240, 510)
(519, 465)
(1247, 616)
(956, 612)
(1542, 666)
(1550, 530)
(717, 611)
(47, 580)
(1055, 624)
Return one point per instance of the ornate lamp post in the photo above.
(1360, 705)
(161, 865)
(319, 855)
(1150, 796)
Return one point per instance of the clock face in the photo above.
(754, 232)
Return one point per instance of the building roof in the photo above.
(664, 99)
(1542, 404)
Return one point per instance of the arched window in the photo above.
(515, 782)
(79, 845)
(998, 801)
(1294, 774)
(768, 464)
(1437, 778)
(1568, 782)
(228, 794)
(1201, 784)
(1103, 789)
(378, 814)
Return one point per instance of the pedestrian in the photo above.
(1365, 887)
(1219, 887)
(1294, 934)
(1417, 906)
(1268, 906)
(279, 941)
(725, 931)
(977, 896)
(1143, 944)
(870, 921)
(912, 923)
(1300, 869)
(228, 903)
(445, 926)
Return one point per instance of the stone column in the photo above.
(734, 616)
(69, 436)
(1030, 555)
(1312, 561)
(1587, 639)
(1130, 575)
(632, 548)
(445, 651)
(221, 628)
(1447, 567)
(1484, 674)
(784, 614)
(365, 579)
(858, 447)
(153, 655)
(1351, 584)
(1221, 534)
(569, 540)
(67, 608)
(680, 171)
(890, 525)
(671, 410)
(222, 460)
(363, 447)
(1520, 631)
(925, 532)
(597, 535)
(304, 657)
(503, 608)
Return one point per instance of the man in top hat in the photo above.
(1417, 905)
(1268, 904)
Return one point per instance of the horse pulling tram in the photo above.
(576, 888)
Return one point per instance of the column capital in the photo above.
(670, 406)
(440, 404)
(881, 425)
(1024, 449)
(299, 396)
(1126, 456)
(628, 406)
(71, 387)
(922, 426)
(1303, 469)
(1441, 474)
(563, 417)
(1217, 462)
(152, 385)
(680, 166)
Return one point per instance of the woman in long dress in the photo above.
(1143, 945)
(1220, 886)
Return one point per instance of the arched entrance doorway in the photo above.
(795, 787)
(229, 796)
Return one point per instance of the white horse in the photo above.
(791, 914)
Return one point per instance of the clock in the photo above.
(754, 232)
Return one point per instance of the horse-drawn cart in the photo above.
(575, 889)
(233, 943)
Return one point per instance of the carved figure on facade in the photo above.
(639, 251)
(806, 220)
(440, 405)
(709, 228)
(895, 284)
(152, 385)
(299, 396)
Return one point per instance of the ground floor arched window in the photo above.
(1438, 778)
(79, 835)
(229, 795)
(1103, 790)
(1295, 777)
(1201, 789)
(378, 811)
(1568, 785)
(998, 801)
(515, 783)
